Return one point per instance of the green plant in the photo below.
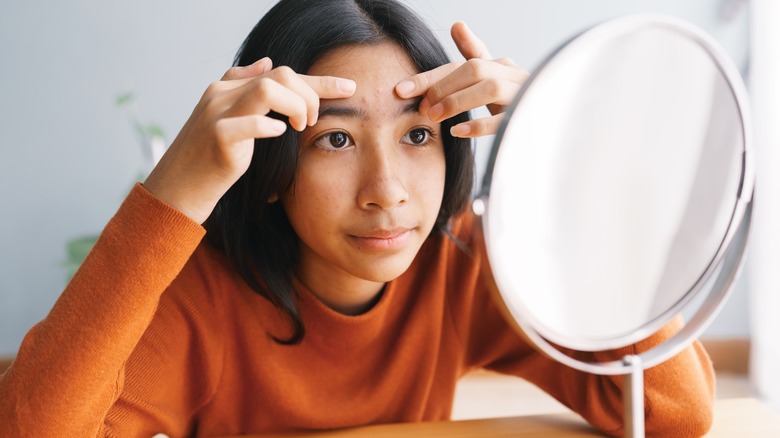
(152, 140)
(76, 251)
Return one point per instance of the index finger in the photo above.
(330, 87)
(419, 84)
(257, 68)
(469, 45)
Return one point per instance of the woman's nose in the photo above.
(383, 185)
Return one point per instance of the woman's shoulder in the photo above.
(211, 286)
(205, 278)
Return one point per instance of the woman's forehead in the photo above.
(376, 63)
(376, 69)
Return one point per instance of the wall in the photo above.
(69, 154)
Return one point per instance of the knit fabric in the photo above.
(158, 333)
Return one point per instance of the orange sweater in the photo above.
(156, 333)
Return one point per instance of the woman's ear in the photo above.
(273, 198)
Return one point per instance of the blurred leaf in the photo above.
(77, 250)
(154, 130)
(124, 99)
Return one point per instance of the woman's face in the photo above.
(369, 181)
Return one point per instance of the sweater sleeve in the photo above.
(176, 367)
(678, 393)
(70, 367)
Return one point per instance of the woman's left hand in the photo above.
(462, 86)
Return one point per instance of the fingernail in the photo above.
(461, 130)
(404, 88)
(346, 85)
(435, 112)
(277, 126)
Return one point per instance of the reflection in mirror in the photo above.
(621, 182)
(618, 195)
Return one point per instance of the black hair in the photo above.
(254, 233)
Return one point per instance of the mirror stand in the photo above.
(634, 397)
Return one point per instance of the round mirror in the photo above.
(619, 188)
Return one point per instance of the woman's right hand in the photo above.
(214, 148)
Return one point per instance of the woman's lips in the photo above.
(383, 240)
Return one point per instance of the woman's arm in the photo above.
(678, 393)
(70, 367)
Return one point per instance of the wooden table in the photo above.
(739, 417)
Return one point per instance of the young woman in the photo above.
(339, 284)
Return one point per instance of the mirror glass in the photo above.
(613, 184)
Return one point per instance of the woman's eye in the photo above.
(334, 141)
(417, 136)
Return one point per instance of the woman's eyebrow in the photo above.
(360, 113)
(411, 107)
(341, 111)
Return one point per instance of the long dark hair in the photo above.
(255, 234)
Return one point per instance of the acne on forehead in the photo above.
(355, 61)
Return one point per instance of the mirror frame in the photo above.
(703, 301)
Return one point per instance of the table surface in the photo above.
(738, 417)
